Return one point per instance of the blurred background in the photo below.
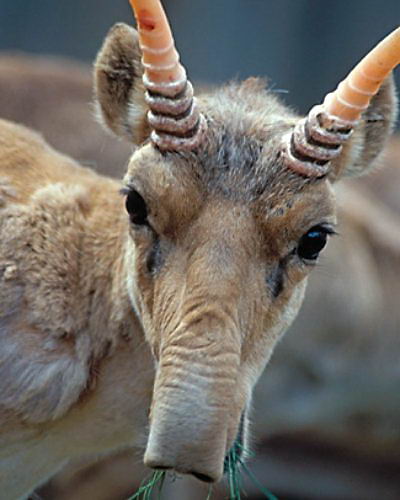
(326, 416)
(302, 46)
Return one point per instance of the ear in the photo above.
(118, 88)
(362, 152)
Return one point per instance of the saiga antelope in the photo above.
(156, 319)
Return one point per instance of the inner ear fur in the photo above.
(362, 152)
(118, 87)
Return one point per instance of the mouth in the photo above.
(233, 459)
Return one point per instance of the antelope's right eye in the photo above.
(136, 208)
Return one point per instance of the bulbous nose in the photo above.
(189, 446)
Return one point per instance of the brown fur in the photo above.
(224, 225)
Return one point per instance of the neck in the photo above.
(122, 372)
(100, 367)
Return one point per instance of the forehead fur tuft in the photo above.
(240, 158)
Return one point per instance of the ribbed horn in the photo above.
(318, 138)
(174, 115)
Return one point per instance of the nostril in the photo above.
(161, 467)
(202, 477)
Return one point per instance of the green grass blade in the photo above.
(264, 491)
(209, 492)
(233, 467)
(145, 490)
(161, 485)
(233, 473)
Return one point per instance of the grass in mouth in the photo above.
(234, 466)
(146, 490)
(232, 470)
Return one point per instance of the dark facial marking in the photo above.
(154, 259)
(275, 279)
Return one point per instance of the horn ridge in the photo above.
(182, 125)
(315, 141)
(301, 165)
(302, 145)
(169, 95)
(167, 106)
(332, 123)
(176, 143)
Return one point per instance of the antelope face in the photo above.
(218, 268)
(228, 209)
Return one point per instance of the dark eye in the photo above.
(136, 208)
(313, 242)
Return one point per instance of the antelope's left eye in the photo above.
(136, 208)
(311, 243)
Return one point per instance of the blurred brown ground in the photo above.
(326, 419)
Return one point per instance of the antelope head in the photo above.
(229, 201)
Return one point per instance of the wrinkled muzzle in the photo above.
(196, 405)
(200, 392)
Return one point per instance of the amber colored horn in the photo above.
(318, 138)
(174, 115)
